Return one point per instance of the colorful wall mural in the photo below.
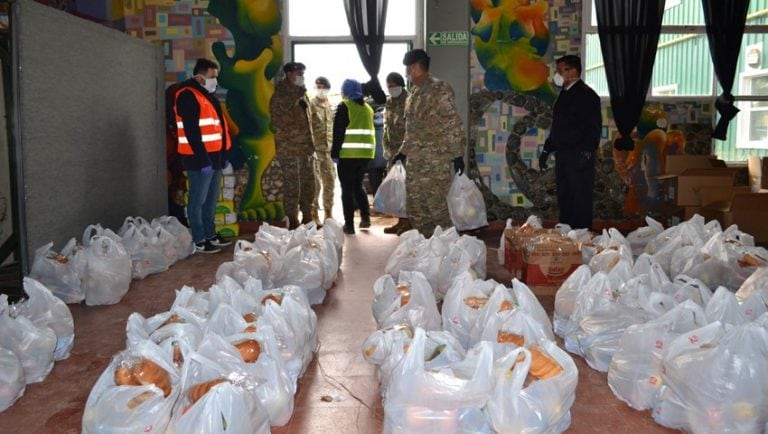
(243, 36)
(514, 45)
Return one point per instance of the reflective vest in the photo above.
(360, 137)
(212, 129)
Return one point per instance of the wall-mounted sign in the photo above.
(440, 39)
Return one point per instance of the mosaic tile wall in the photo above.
(564, 38)
(181, 27)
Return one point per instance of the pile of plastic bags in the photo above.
(227, 359)
(306, 257)
(34, 333)
(101, 269)
(485, 363)
(681, 328)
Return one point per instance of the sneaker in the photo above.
(219, 241)
(365, 222)
(349, 230)
(206, 247)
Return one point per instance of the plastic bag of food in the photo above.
(33, 345)
(533, 395)
(640, 237)
(12, 384)
(634, 374)
(215, 401)
(409, 302)
(390, 197)
(724, 307)
(108, 272)
(462, 304)
(565, 298)
(183, 243)
(445, 400)
(58, 272)
(94, 230)
(721, 377)
(466, 204)
(136, 393)
(43, 309)
(147, 255)
(502, 251)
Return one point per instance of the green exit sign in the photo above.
(448, 38)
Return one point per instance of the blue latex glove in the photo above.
(335, 160)
(207, 170)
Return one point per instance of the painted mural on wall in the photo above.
(247, 74)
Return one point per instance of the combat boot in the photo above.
(394, 228)
(405, 226)
(293, 222)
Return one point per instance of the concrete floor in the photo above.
(338, 370)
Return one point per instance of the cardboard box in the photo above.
(682, 189)
(515, 240)
(676, 164)
(758, 172)
(548, 261)
(744, 208)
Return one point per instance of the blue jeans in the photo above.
(203, 194)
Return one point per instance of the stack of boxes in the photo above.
(226, 214)
(542, 258)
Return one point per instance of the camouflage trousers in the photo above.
(325, 177)
(298, 186)
(427, 182)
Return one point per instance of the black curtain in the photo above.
(366, 20)
(725, 27)
(629, 34)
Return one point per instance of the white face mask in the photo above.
(322, 93)
(298, 80)
(558, 80)
(394, 92)
(210, 85)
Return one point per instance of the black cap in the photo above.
(294, 66)
(414, 56)
(396, 78)
(324, 81)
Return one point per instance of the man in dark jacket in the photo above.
(203, 141)
(577, 123)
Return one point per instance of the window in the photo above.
(683, 69)
(319, 37)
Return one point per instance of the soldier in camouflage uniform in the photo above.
(394, 131)
(322, 134)
(289, 111)
(434, 137)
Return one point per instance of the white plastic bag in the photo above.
(566, 296)
(466, 204)
(639, 238)
(108, 272)
(43, 309)
(409, 302)
(120, 409)
(33, 345)
(390, 197)
(146, 252)
(541, 407)
(182, 236)
(446, 400)
(58, 272)
(12, 383)
(634, 374)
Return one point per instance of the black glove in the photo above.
(399, 157)
(458, 165)
(303, 103)
(543, 161)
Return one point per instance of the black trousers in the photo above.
(351, 173)
(575, 179)
(375, 176)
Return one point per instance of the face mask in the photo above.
(298, 80)
(210, 85)
(558, 80)
(394, 92)
(322, 93)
